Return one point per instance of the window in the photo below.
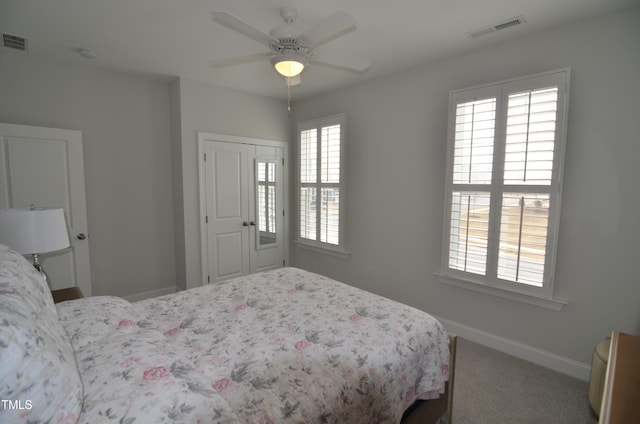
(504, 168)
(321, 184)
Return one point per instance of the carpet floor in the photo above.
(492, 387)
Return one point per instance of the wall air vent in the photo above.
(14, 42)
(496, 27)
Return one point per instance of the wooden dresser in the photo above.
(621, 397)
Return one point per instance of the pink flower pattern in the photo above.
(302, 345)
(197, 345)
(222, 384)
(171, 332)
(155, 373)
(127, 323)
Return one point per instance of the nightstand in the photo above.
(70, 293)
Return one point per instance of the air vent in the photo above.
(14, 42)
(496, 27)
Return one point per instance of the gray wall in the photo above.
(396, 132)
(209, 108)
(125, 124)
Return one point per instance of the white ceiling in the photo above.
(178, 37)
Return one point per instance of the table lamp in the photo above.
(34, 231)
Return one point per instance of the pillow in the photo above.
(17, 269)
(39, 379)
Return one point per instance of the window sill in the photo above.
(340, 253)
(544, 302)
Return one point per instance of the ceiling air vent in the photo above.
(14, 42)
(496, 27)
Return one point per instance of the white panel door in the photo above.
(44, 167)
(243, 192)
(227, 209)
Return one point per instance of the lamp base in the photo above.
(38, 267)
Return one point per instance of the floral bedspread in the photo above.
(283, 346)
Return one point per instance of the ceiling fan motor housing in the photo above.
(289, 39)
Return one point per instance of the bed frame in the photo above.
(430, 411)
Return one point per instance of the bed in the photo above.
(282, 346)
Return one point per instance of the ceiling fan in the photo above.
(292, 49)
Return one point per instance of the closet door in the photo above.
(243, 197)
(267, 245)
(227, 219)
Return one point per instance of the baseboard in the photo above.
(151, 293)
(519, 350)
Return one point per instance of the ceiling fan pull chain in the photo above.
(289, 94)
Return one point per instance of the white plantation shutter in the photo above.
(308, 213)
(321, 158)
(308, 179)
(523, 237)
(474, 133)
(330, 170)
(308, 156)
(529, 155)
(506, 144)
(530, 141)
(472, 165)
(468, 249)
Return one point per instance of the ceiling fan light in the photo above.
(288, 66)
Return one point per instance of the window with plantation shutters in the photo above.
(320, 221)
(505, 156)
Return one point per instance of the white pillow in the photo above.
(39, 379)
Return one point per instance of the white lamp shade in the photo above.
(37, 230)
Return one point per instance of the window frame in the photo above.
(497, 188)
(339, 249)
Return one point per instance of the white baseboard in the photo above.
(519, 350)
(151, 293)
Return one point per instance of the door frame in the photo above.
(205, 137)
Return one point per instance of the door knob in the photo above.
(245, 224)
(81, 236)
(252, 223)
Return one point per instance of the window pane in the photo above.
(474, 137)
(308, 156)
(469, 231)
(531, 124)
(330, 216)
(330, 171)
(523, 237)
(308, 213)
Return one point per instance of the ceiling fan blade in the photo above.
(223, 63)
(238, 25)
(336, 25)
(357, 65)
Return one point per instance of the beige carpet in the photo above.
(495, 388)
